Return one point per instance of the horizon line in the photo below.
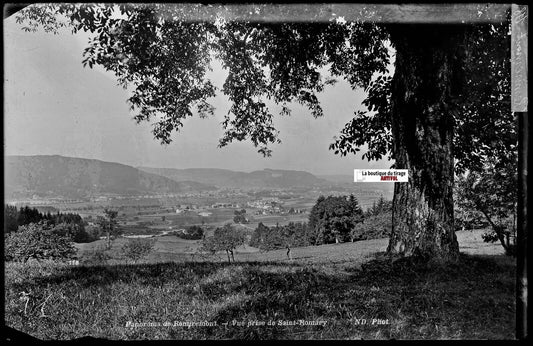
(137, 167)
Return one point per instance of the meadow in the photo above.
(337, 291)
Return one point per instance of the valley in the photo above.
(155, 201)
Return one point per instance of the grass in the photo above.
(471, 299)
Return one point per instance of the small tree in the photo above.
(10, 218)
(37, 241)
(136, 249)
(382, 206)
(74, 232)
(240, 216)
(109, 225)
(98, 256)
(287, 236)
(333, 218)
(208, 245)
(492, 192)
(225, 238)
(193, 232)
(373, 227)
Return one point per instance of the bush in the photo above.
(19, 273)
(37, 241)
(332, 219)
(74, 232)
(373, 227)
(136, 249)
(191, 233)
(96, 257)
(225, 238)
(294, 234)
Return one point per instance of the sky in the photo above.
(55, 106)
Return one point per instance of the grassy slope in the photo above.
(171, 248)
(471, 299)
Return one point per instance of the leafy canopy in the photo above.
(37, 241)
(163, 58)
(333, 218)
(136, 249)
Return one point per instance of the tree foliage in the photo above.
(240, 216)
(377, 222)
(37, 241)
(15, 217)
(164, 60)
(226, 238)
(382, 206)
(74, 232)
(492, 192)
(294, 234)
(332, 219)
(449, 82)
(484, 124)
(373, 227)
(136, 249)
(193, 232)
(96, 257)
(10, 218)
(109, 225)
(70, 225)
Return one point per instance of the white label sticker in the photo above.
(380, 175)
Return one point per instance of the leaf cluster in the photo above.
(332, 218)
(163, 60)
(136, 249)
(37, 241)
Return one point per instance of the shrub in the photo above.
(136, 249)
(294, 234)
(191, 233)
(37, 241)
(96, 257)
(373, 227)
(332, 218)
(74, 232)
(225, 238)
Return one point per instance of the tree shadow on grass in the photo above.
(145, 274)
(472, 298)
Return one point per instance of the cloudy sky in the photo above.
(54, 106)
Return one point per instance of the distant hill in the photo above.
(386, 189)
(267, 178)
(338, 178)
(69, 177)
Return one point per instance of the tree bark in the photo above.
(427, 78)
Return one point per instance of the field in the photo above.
(339, 291)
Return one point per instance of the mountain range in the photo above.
(70, 177)
(267, 178)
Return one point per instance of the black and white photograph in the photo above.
(265, 171)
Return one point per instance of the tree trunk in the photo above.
(426, 80)
(497, 228)
(232, 257)
(227, 253)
